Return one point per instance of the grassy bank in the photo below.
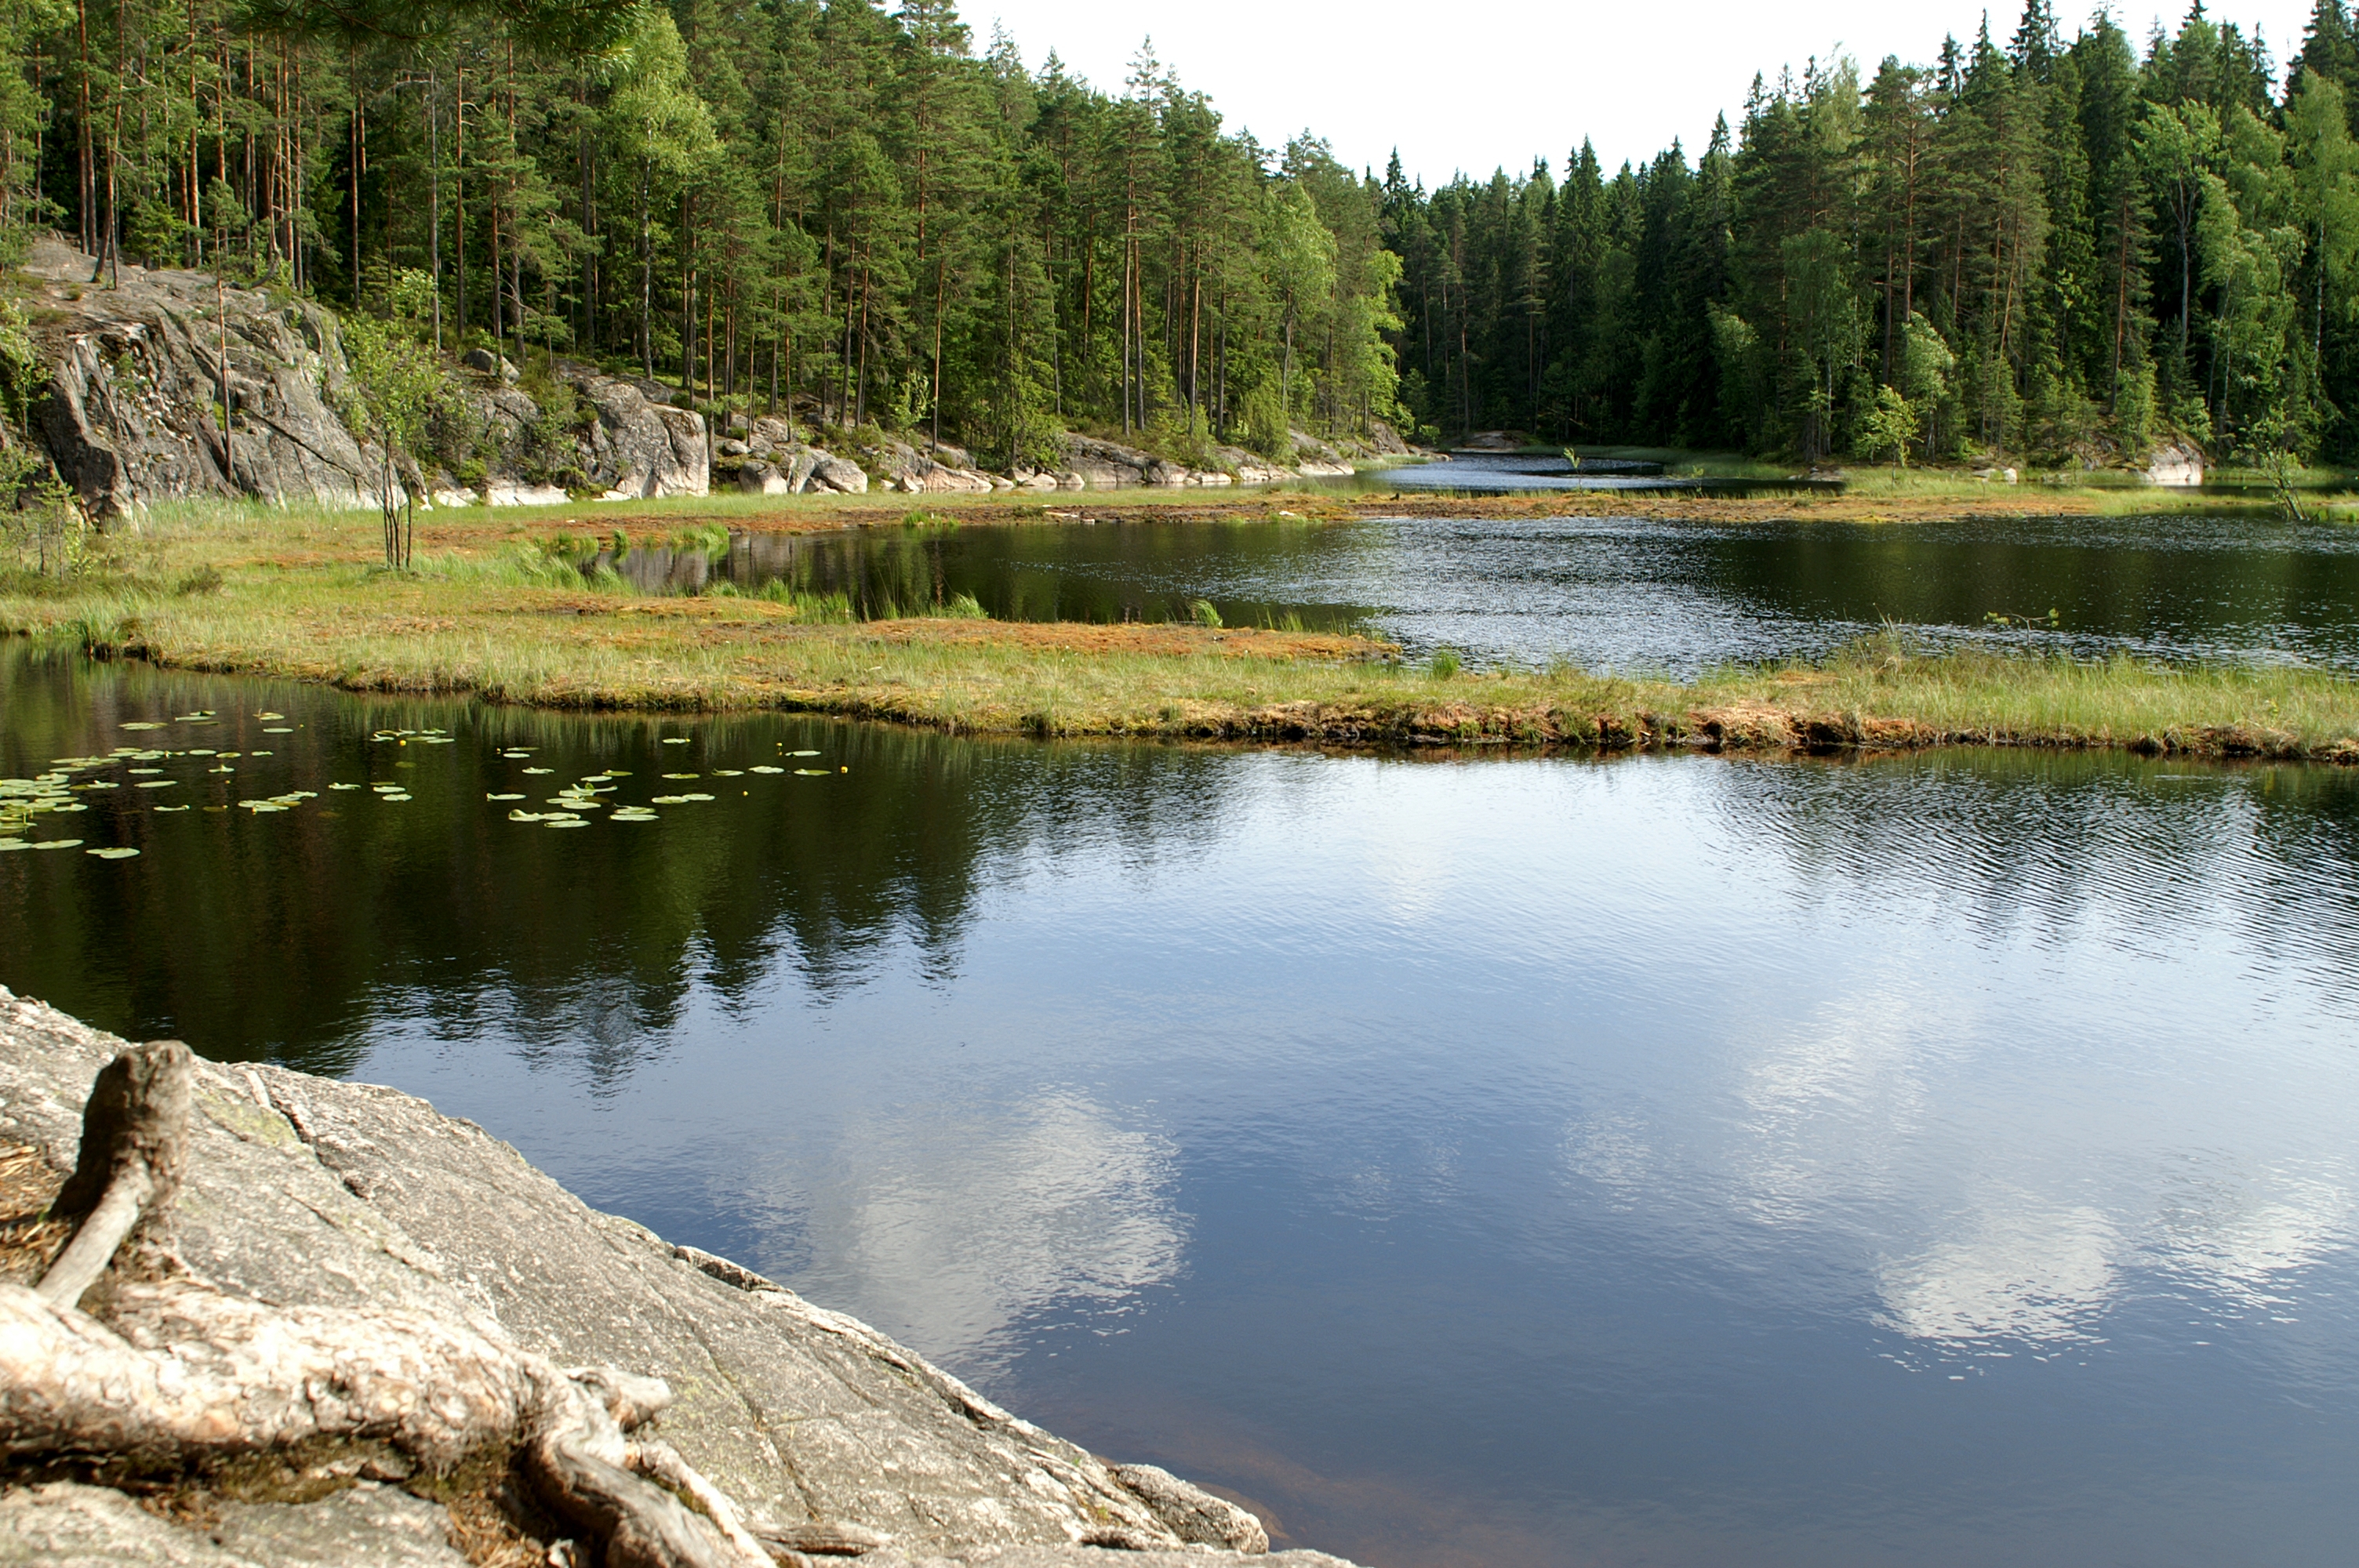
(294, 596)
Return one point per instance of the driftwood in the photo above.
(182, 1374)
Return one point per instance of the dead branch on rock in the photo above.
(185, 1375)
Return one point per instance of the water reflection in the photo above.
(1926, 1160)
(1624, 593)
(971, 1223)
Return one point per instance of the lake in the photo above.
(1948, 1159)
(1636, 595)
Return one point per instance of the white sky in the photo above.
(1502, 83)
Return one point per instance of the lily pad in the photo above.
(669, 800)
(113, 852)
(676, 740)
(540, 770)
(171, 808)
(565, 822)
(344, 786)
(499, 796)
(279, 729)
(269, 716)
(158, 783)
(146, 770)
(802, 753)
(393, 798)
(57, 844)
(695, 797)
(198, 752)
(812, 773)
(8, 844)
(680, 776)
(142, 724)
(766, 768)
(728, 773)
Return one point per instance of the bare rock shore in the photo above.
(305, 1193)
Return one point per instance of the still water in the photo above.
(1672, 1161)
(1629, 594)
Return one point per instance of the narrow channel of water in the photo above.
(1628, 594)
(1924, 1161)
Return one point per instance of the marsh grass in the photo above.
(294, 596)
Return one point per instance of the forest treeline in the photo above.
(2058, 251)
(2041, 251)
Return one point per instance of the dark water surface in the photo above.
(1636, 594)
(1675, 1161)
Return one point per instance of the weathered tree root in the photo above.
(135, 1144)
(186, 1375)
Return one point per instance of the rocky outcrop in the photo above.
(2177, 464)
(134, 415)
(310, 1193)
(134, 409)
(636, 447)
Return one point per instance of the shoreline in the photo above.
(290, 595)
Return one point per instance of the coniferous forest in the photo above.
(2041, 250)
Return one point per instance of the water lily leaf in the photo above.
(268, 716)
(566, 822)
(540, 770)
(812, 773)
(393, 798)
(8, 844)
(766, 768)
(171, 808)
(802, 753)
(164, 783)
(197, 752)
(145, 769)
(143, 724)
(344, 786)
(113, 852)
(522, 815)
(728, 773)
(388, 789)
(503, 797)
(677, 739)
(59, 844)
(277, 729)
(680, 776)
(695, 797)
(669, 800)
(261, 806)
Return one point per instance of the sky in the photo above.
(1520, 78)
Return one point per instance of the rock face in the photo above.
(133, 407)
(2175, 465)
(133, 412)
(636, 448)
(308, 1191)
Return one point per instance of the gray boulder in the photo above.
(837, 475)
(636, 448)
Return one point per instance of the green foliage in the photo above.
(1444, 664)
(1202, 611)
(1887, 429)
